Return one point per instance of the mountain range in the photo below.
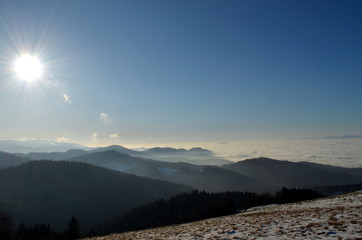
(26, 146)
(42, 149)
(98, 184)
(255, 175)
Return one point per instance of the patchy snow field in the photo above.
(337, 217)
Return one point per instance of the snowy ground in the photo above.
(331, 218)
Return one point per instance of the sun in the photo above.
(28, 68)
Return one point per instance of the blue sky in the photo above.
(141, 72)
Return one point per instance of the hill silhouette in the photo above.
(197, 155)
(54, 155)
(140, 166)
(194, 155)
(52, 192)
(26, 146)
(216, 179)
(292, 174)
(206, 178)
(10, 160)
(256, 175)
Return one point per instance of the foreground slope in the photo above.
(337, 217)
(52, 192)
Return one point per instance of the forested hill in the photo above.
(53, 191)
(295, 174)
(10, 160)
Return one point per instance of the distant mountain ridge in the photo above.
(169, 150)
(117, 148)
(194, 155)
(295, 174)
(255, 175)
(53, 155)
(26, 146)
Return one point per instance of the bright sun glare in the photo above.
(28, 68)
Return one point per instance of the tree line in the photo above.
(198, 205)
(182, 208)
(36, 231)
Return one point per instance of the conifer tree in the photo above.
(73, 229)
(6, 227)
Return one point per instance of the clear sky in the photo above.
(146, 72)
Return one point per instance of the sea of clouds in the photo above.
(338, 152)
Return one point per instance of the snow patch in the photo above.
(338, 217)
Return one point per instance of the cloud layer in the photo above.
(340, 152)
(114, 136)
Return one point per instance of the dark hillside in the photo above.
(51, 192)
(10, 160)
(206, 178)
(292, 174)
(216, 179)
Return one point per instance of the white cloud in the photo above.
(95, 137)
(62, 139)
(104, 117)
(114, 135)
(67, 98)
